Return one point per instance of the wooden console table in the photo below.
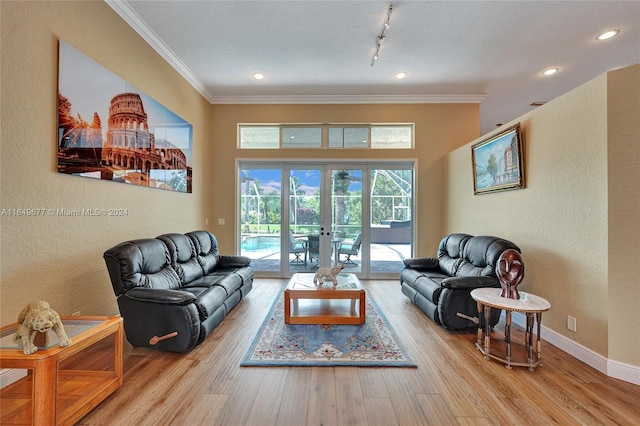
(62, 384)
(531, 305)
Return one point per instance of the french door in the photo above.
(301, 216)
(323, 210)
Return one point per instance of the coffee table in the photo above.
(306, 303)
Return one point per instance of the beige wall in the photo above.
(59, 259)
(563, 220)
(623, 129)
(439, 128)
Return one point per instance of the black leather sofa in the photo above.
(441, 286)
(175, 283)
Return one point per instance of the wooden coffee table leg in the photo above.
(363, 307)
(287, 308)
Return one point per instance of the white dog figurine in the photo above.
(38, 316)
(329, 273)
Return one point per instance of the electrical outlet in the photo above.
(76, 314)
(571, 323)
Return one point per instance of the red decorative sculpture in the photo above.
(510, 272)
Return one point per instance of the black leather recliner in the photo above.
(177, 287)
(441, 286)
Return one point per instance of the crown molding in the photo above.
(348, 99)
(130, 16)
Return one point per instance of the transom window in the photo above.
(289, 136)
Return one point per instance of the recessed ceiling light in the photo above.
(550, 71)
(257, 76)
(400, 75)
(607, 35)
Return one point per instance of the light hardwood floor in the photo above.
(453, 384)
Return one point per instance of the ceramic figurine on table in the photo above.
(38, 317)
(330, 273)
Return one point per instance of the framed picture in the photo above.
(497, 162)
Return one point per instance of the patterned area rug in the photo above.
(373, 344)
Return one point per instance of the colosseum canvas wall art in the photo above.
(108, 129)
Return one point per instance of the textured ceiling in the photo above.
(321, 51)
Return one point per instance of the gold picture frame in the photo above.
(498, 162)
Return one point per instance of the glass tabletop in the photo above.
(72, 327)
(346, 281)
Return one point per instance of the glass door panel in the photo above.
(303, 217)
(261, 216)
(346, 217)
(391, 227)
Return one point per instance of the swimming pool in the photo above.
(252, 244)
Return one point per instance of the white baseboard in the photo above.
(616, 369)
(620, 370)
(10, 375)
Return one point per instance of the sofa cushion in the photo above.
(449, 265)
(209, 300)
(429, 287)
(452, 245)
(208, 280)
(229, 281)
(481, 255)
(467, 269)
(246, 274)
(469, 283)
(410, 275)
(140, 263)
(182, 254)
(450, 251)
(206, 247)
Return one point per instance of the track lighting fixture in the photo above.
(381, 36)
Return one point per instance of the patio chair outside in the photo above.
(314, 247)
(297, 247)
(351, 249)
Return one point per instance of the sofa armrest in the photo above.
(161, 296)
(469, 283)
(422, 264)
(231, 261)
(152, 313)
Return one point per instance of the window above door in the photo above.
(353, 136)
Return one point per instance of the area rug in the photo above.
(373, 344)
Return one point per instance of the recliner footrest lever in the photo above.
(474, 320)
